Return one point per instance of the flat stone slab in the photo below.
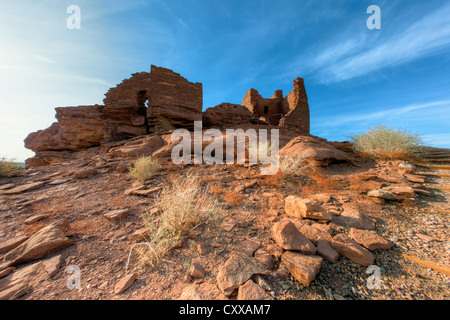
(252, 291)
(325, 250)
(353, 251)
(383, 194)
(125, 283)
(314, 231)
(402, 191)
(303, 268)
(237, 270)
(7, 186)
(24, 188)
(204, 291)
(146, 192)
(117, 214)
(287, 236)
(370, 239)
(12, 243)
(39, 245)
(352, 217)
(248, 247)
(36, 218)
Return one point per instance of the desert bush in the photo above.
(383, 142)
(144, 168)
(254, 150)
(184, 205)
(292, 166)
(9, 168)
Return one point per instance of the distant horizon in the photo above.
(355, 77)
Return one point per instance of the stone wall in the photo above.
(159, 101)
(290, 112)
(171, 96)
(227, 114)
(141, 103)
(137, 106)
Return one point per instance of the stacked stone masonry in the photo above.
(157, 102)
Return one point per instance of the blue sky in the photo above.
(355, 78)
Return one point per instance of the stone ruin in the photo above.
(159, 101)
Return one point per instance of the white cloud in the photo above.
(441, 140)
(356, 56)
(384, 115)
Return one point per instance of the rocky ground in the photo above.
(279, 238)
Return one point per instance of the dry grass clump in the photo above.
(9, 168)
(383, 142)
(318, 182)
(184, 205)
(294, 166)
(144, 168)
(261, 147)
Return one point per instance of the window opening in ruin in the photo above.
(266, 109)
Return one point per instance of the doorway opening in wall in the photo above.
(142, 102)
(266, 109)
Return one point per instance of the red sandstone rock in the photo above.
(370, 239)
(252, 291)
(24, 188)
(197, 270)
(204, 291)
(117, 214)
(352, 250)
(265, 258)
(382, 194)
(352, 217)
(42, 243)
(139, 147)
(325, 250)
(314, 231)
(402, 190)
(125, 283)
(304, 268)
(305, 208)
(12, 243)
(288, 237)
(236, 271)
(315, 148)
(227, 115)
(247, 247)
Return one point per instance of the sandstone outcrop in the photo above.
(147, 102)
(160, 101)
(42, 243)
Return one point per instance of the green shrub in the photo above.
(144, 168)
(383, 142)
